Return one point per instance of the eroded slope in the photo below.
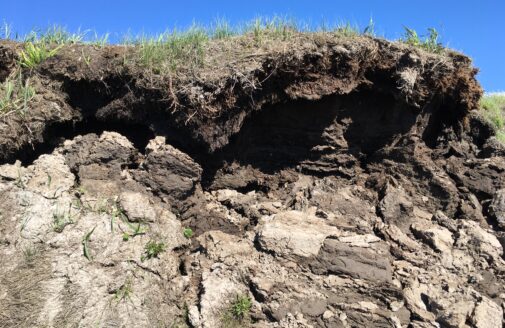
(337, 182)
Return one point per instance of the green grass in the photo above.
(54, 35)
(493, 109)
(35, 53)
(167, 51)
(429, 42)
(60, 221)
(136, 230)
(152, 250)
(15, 95)
(177, 49)
(238, 314)
(85, 245)
(29, 254)
(125, 292)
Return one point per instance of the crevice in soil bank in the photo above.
(57, 133)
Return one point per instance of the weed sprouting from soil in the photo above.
(35, 53)
(15, 95)
(136, 230)
(125, 292)
(29, 255)
(493, 110)
(152, 250)
(238, 314)
(429, 43)
(85, 245)
(188, 233)
(60, 221)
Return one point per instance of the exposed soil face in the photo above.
(345, 182)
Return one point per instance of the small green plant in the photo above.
(153, 249)
(36, 53)
(100, 41)
(370, 29)
(429, 43)
(15, 95)
(188, 233)
(221, 29)
(238, 314)
(347, 30)
(54, 35)
(6, 31)
(241, 307)
(136, 230)
(29, 254)
(116, 212)
(274, 28)
(85, 245)
(86, 58)
(125, 292)
(60, 221)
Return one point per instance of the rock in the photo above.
(11, 171)
(313, 307)
(396, 208)
(359, 240)
(437, 237)
(339, 258)
(294, 233)
(497, 208)
(328, 314)
(472, 236)
(222, 247)
(168, 170)
(218, 291)
(487, 314)
(401, 238)
(194, 316)
(453, 314)
(49, 176)
(137, 207)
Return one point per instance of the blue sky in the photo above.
(474, 27)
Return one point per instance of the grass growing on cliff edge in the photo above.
(493, 109)
(15, 94)
(178, 50)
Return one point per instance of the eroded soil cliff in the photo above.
(334, 182)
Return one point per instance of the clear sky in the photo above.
(475, 27)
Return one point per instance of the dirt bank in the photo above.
(332, 181)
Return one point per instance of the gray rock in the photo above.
(396, 208)
(294, 233)
(137, 207)
(437, 237)
(337, 257)
(497, 208)
(487, 314)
